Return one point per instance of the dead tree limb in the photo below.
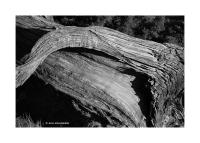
(128, 81)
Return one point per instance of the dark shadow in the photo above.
(142, 88)
(82, 50)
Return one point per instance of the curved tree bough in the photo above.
(128, 81)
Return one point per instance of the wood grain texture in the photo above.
(129, 81)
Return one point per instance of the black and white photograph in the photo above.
(106, 71)
(99, 71)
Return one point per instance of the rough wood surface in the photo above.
(128, 81)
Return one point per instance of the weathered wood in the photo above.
(129, 81)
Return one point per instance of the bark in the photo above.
(126, 81)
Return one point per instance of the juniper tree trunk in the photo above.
(124, 80)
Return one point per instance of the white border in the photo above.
(102, 7)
